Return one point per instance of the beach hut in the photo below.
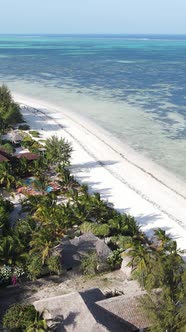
(4, 156)
(72, 251)
(90, 311)
(27, 155)
(77, 312)
(16, 137)
(129, 310)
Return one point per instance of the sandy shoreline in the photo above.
(133, 185)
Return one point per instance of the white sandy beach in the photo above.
(134, 185)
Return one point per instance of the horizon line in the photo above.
(91, 33)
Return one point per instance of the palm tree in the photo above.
(5, 97)
(44, 248)
(33, 203)
(162, 238)
(41, 243)
(58, 151)
(124, 225)
(12, 251)
(164, 313)
(6, 177)
(39, 325)
(9, 110)
(21, 167)
(141, 257)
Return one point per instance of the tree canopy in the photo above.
(9, 110)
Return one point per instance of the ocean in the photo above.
(134, 86)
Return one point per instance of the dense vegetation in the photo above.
(24, 318)
(9, 110)
(27, 244)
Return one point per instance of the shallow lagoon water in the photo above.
(132, 86)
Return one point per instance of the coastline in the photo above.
(133, 185)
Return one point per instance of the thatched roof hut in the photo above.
(79, 312)
(72, 251)
(128, 309)
(27, 155)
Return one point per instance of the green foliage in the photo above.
(24, 127)
(101, 230)
(39, 325)
(54, 264)
(7, 178)
(24, 229)
(124, 225)
(164, 313)
(121, 241)
(34, 133)
(6, 207)
(30, 143)
(9, 111)
(159, 265)
(58, 151)
(5, 273)
(89, 264)
(114, 259)
(27, 141)
(7, 147)
(6, 204)
(87, 227)
(11, 250)
(34, 266)
(19, 317)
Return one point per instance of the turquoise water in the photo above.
(133, 86)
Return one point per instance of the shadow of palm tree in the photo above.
(60, 323)
(93, 164)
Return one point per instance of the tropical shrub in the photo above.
(27, 141)
(87, 227)
(101, 230)
(8, 147)
(24, 127)
(121, 241)
(18, 271)
(34, 133)
(6, 207)
(34, 266)
(19, 317)
(89, 264)
(7, 178)
(114, 259)
(54, 264)
(9, 110)
(164, 313)
(5, 273)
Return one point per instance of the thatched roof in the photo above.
(3, 158)
(28, 155)
(15, 136)
(73, 250)
(129, 309)
(79, 312)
